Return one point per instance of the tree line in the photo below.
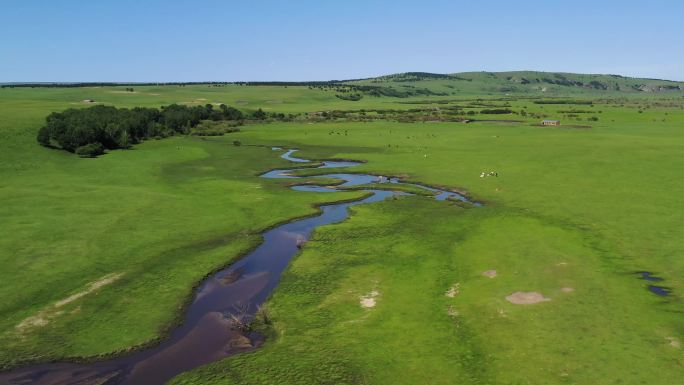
(89, 131)
(208, 83)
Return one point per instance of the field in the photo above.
(574, 213)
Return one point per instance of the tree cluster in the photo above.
(89, 131)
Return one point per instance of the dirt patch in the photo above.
(567, 290)
(37, 320)
(674, 342)
(46, 315)
(489, 273)
(453, 290)
(526, 298)
(240, 341)
(104, 281)
(369, 300)
(453, 313)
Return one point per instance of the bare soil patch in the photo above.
(369, 300)
(240, 341)
(489, 273)
(674, 342)
(44, 316)
(453, 290)
(526, 298)
(104, 281)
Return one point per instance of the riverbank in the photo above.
(225, 300)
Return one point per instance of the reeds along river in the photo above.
(207, 333)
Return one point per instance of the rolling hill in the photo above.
(520, 82)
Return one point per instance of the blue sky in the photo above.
(154, 40)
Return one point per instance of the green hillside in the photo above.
(523, 82)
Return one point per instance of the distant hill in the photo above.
(522, 82)
(420, 84)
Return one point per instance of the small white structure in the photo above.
(550, 122)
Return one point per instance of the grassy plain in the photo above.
(411, 252)
(572, 208)
(163, 215)
(581, 208)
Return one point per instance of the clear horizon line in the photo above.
(327, 80)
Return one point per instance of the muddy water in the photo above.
(205, 334)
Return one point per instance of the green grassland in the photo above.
(579, 206)
(551, 221)
(417, 334)
(164, 215)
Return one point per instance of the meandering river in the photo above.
(206, 335)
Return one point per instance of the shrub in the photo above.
(212, 128)
(351, 97)
(495, 111)
(564, 101)
(90, 150)
(259, 114)
(44, 136)
(230, 113)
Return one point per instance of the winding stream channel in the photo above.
(205, 334)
